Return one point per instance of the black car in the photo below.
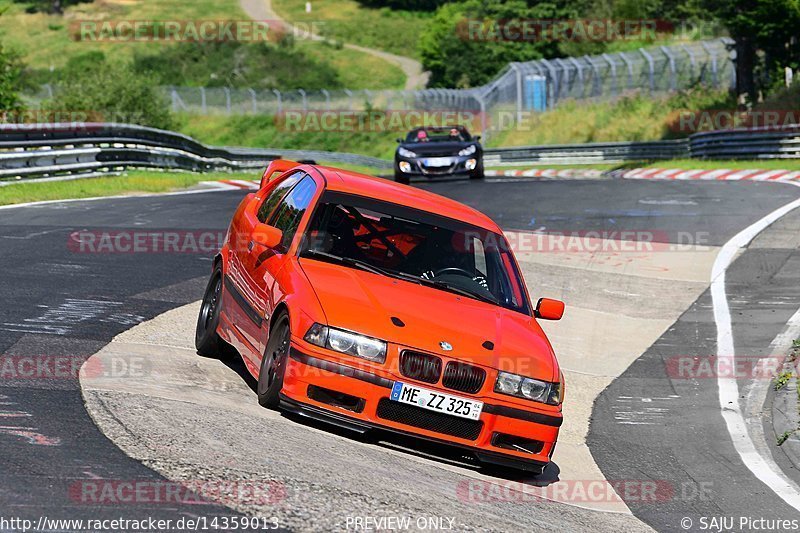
(441, 151)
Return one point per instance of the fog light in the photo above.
(470, 164)
(405, 166)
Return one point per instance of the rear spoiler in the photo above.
(278, 166)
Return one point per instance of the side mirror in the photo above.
(548, 309)
(477, 137)
(265, 235)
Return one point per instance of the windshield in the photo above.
(417, 246)
(438, 135)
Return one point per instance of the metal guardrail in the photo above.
(751, 143)
(587, 153)
(48, 151)
(64, 151)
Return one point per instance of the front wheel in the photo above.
(401, 178)
(477, 174)
(206, 339)
(273, 364)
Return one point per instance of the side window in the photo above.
(276, 195)
(290, 211)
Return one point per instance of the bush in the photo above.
(10, 80)
(234, 64)
(111, 92)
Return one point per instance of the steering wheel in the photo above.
(453, 270)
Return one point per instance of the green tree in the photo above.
(768, 26)
(10, 80)
(112, 92)
(460, 52)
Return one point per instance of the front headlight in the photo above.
(347, 342)
(469, 150)
(405, 153)
(528, 388)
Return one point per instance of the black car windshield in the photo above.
(417, 246)
(438, 135)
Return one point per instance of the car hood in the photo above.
(439, 148)
(366, 303)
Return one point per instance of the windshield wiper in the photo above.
(458, 290)
(345, 261)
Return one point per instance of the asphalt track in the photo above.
(60, 303)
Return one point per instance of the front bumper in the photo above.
(418, 166)
(307, 374)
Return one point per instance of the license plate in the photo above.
(437, 162)
(436, 401)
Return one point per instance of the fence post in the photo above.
(595, 76)
(203, 106)
(628, 67)
(253, 99)
(227, 99)
(515, 68)
(580, 74)
(327, 99)
(692, 62)
(673, 74)
(613, 74)
(651, 68)
(280, 100)
(305, 99)
(349, 94)
(482, 104)
(565, 82)
(554, 76)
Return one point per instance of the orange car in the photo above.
(374, 305)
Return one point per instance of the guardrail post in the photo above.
(203, 105)
(280, 100)
(254, 100)
(227, 99)
(673, 74)
(651, 69)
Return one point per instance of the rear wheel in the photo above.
(206, 339)
(273, 364)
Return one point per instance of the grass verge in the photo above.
(138, 181)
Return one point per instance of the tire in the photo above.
(206, 339)
(273, 364)
(477, 173)
(401, 178)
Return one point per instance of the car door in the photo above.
(262, 264)
(247, 318)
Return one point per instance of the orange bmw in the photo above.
(373, 305)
